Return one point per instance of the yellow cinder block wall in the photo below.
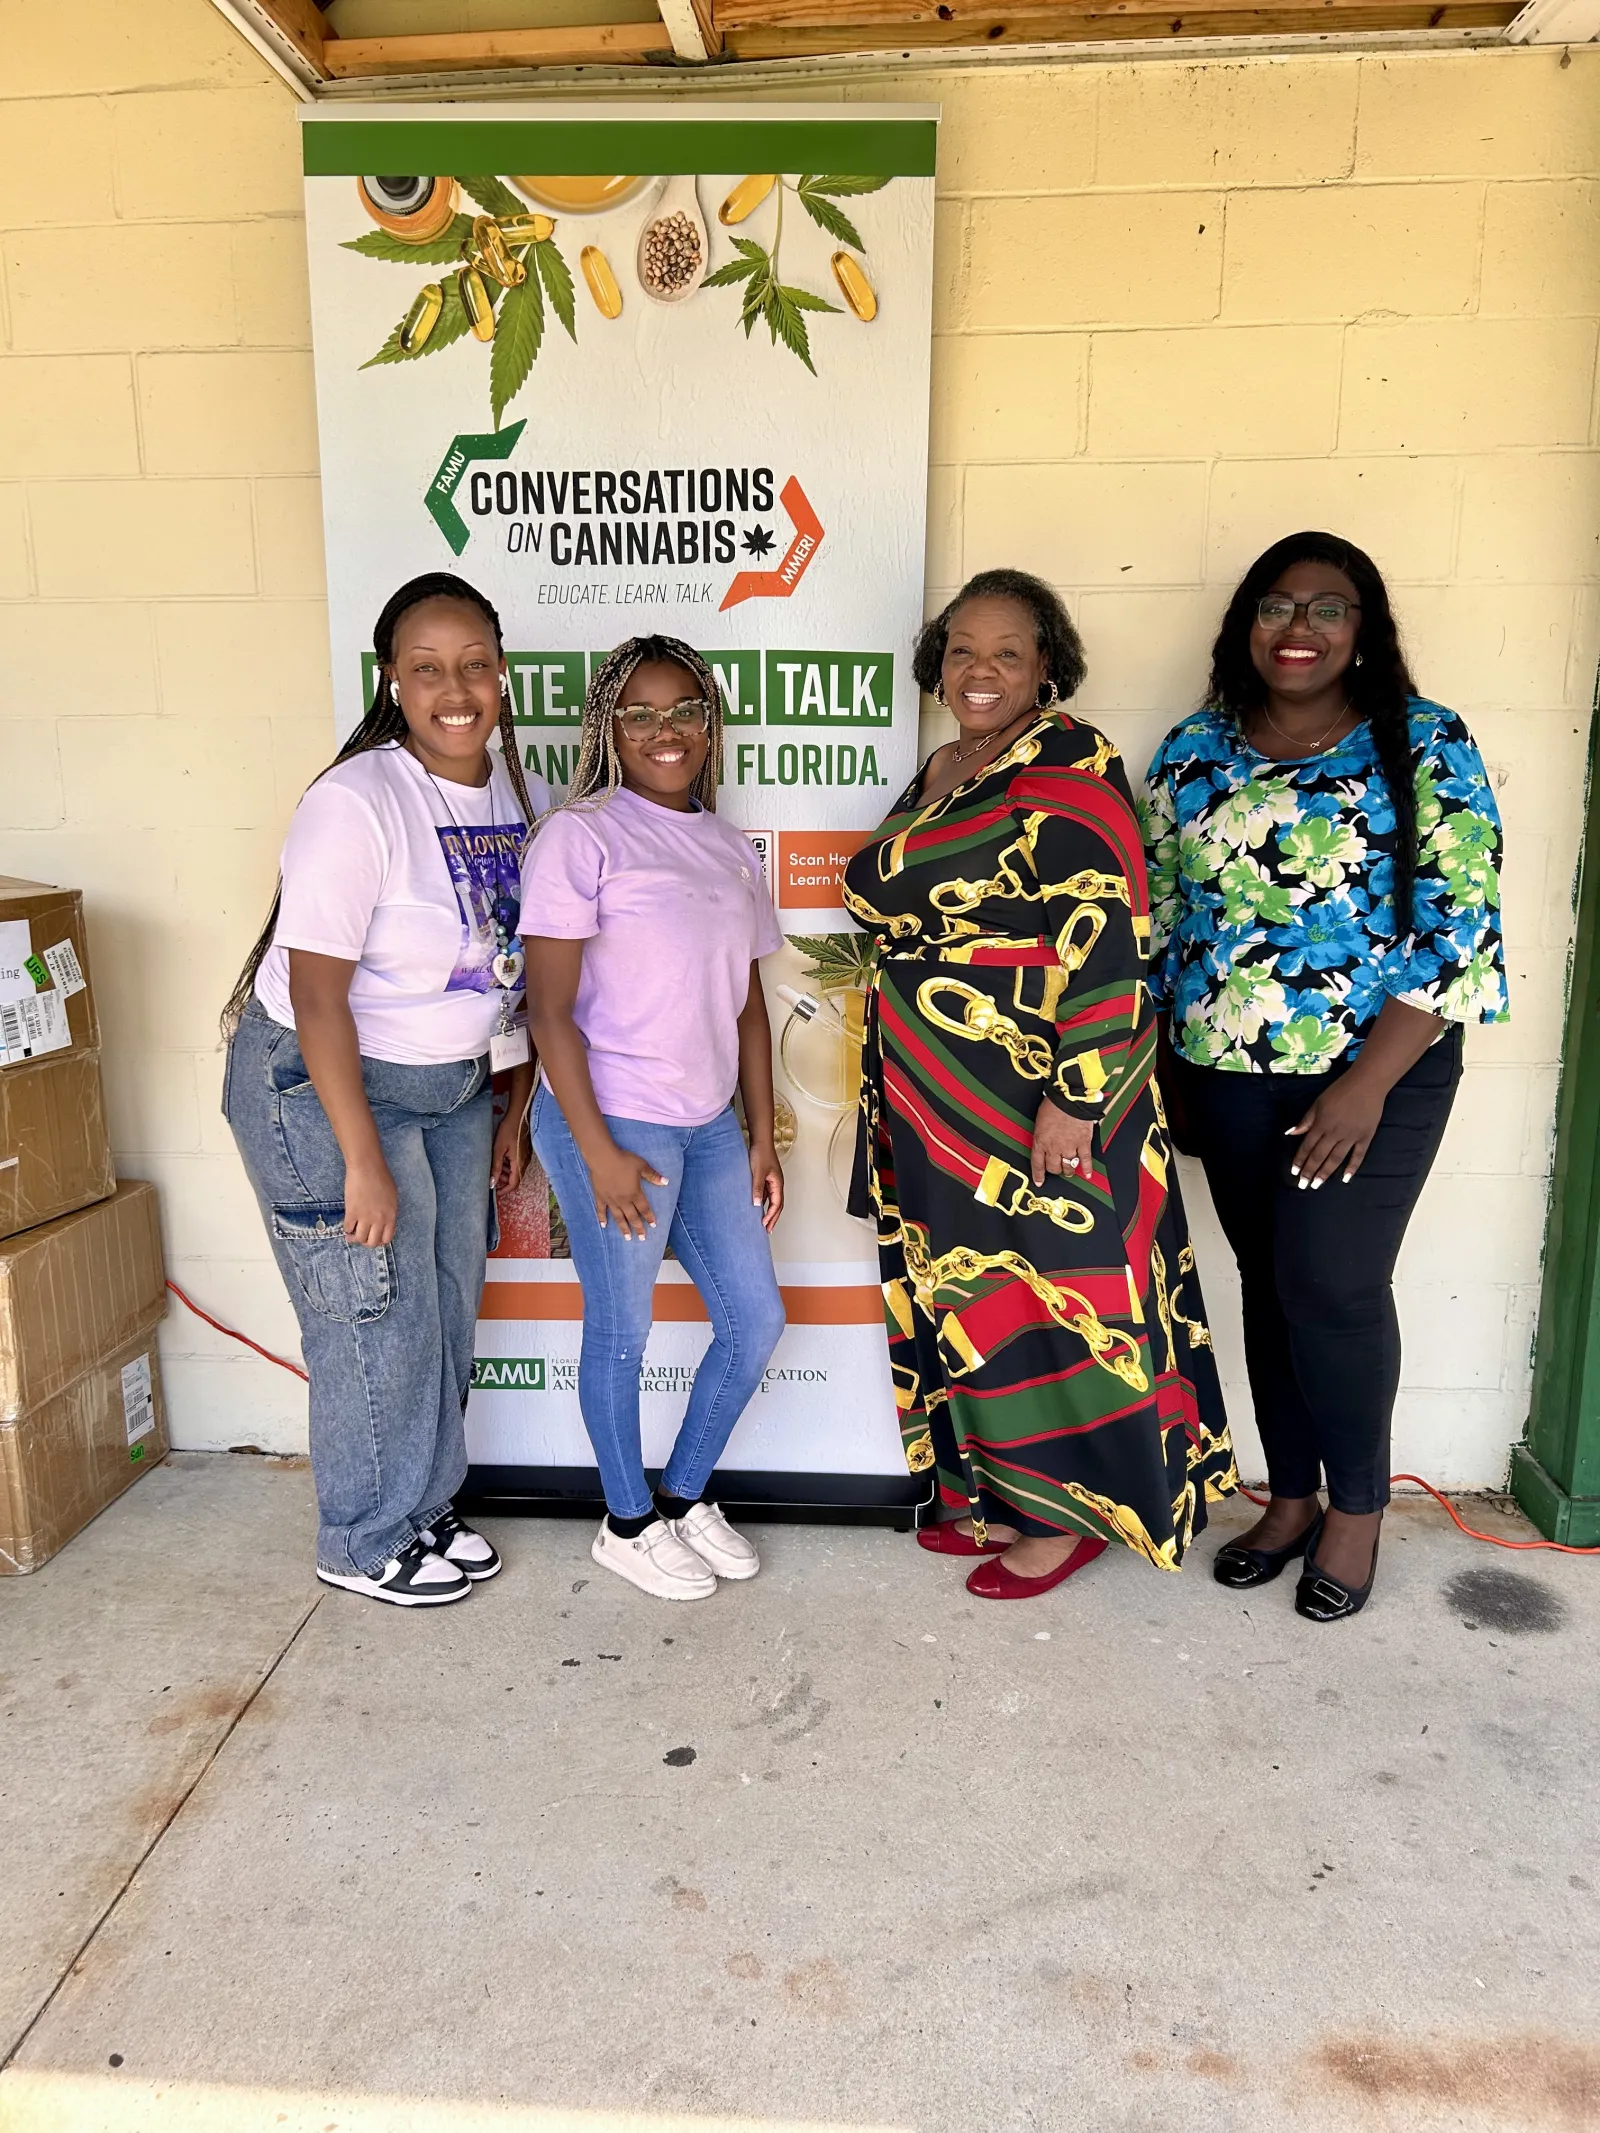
(1181, 308)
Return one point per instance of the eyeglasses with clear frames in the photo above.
(642, 722)
(1324, 612)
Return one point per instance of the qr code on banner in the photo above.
(762, 840)
(29, 1028)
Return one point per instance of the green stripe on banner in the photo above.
(430, 148)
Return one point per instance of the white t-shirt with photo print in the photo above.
(398, 872)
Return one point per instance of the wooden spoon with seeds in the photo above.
(673, 252)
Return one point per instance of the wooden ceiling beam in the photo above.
(979, 18)
(1165, 20)
(290, 33)
(610, 44)
(692, 28)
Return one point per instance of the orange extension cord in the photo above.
(1472, 1533)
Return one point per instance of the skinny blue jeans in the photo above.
(705, 1212)
(387, 1332)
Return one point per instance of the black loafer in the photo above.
(1239, 1567)
(1321, 1598)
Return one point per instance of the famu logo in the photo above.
(508, 1373)
(597, 518)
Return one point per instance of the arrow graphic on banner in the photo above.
(780, 583)
(494, 444)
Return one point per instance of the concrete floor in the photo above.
(842, 1848)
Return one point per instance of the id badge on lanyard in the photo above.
(508, 1047)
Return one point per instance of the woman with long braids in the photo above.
(1051, 1361)
(1324, 850)
(362, 1035)
(645, 917)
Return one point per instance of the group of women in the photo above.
(1265, 961)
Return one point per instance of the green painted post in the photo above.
(1555, 1472)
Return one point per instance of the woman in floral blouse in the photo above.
(1323, 849)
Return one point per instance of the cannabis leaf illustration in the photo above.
(780, 304)
(453, 323)
(492, 195)
(814, 196)
(836, 960)
(518, 332)
(758, 541)
(557, 278)
(765, 297)
(378, 244)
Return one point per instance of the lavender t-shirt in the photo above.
(672, 911)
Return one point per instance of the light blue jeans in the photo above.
(704, 1211)
(387, 1332)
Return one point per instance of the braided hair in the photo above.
(383, 722)
(1054, 634)
(598, 772)
(1377, 681)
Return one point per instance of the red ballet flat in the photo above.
(993, 1581)
(944, 1539)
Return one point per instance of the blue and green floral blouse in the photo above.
(1273, 939)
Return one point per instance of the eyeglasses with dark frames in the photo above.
(1324, 611)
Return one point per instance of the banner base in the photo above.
(840, 1499)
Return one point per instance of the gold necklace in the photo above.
(962, 755)
(1322, 738)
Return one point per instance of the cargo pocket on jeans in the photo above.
(349, 1283)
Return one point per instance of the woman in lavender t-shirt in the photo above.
(643, 917)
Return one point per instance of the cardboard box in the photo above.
(81, 1412)
(73, 1290)
(46, 998)
(55, 1154)
(63, 1462)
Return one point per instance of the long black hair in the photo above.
(599, 767)
(1054, 634)
(1377, 682)
(385, 721)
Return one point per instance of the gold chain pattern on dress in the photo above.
(957, 895)
(997, 1176)
(1112, 1349)
(1032, 1057)
(1158, 1270)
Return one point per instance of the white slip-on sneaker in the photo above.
(719, 1547)
(657, 1562)
(416, 1577)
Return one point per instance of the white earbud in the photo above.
(394, 692)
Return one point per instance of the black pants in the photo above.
(1321, 1337)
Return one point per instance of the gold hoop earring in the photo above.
(939, 695)
(1051, 699)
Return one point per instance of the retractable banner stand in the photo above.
(678, 383)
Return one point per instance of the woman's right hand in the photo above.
(617, 1179)
(371, 1202)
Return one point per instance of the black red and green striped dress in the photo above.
(1049, 1346)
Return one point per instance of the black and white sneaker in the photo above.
(416, 1577)
(462, 1545)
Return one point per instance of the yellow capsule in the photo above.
(526, 229)
(602, 282)
(489, 254)
(423, 316)
(854, 286)
(475, 302)
(745, 198)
